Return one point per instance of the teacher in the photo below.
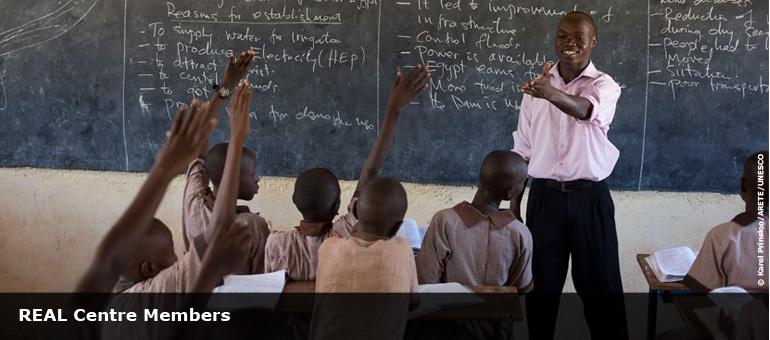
(562, 133)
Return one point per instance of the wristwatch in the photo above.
(222, 91)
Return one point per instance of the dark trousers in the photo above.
(580, 223)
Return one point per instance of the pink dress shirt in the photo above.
(561, 147)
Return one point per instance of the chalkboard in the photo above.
(93, 84)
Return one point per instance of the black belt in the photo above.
(569, 186)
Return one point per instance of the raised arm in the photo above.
(404, 91)
(234, 72)
(188, 131)
(574, 106)
(224, 206)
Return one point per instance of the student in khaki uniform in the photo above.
(317, 193)
(371, 260)
(729, 253)
(199, 198)
(477, 243)
(151, 266)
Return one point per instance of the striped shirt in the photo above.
(465, 246)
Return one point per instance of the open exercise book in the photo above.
(439, 296)
(272, 283)
(671, 264)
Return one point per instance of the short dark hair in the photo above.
(215, 161)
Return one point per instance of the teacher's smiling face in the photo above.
(575, 37)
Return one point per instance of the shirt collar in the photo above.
(314, 229)
(590, 71)
(472, 216)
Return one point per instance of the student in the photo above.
(182, 275)
(317, 193)
(188, 131)
(371, 260)
(729, 253)
(199, 198)
(477, 243)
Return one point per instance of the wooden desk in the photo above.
(502, 304)
(686, 306)
(657, 288)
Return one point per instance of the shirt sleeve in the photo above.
(273, 258)
(521, 137)
(603, 95)
(433, 252)
(343, 227)
(707, 268)
(196, 182)
(520, 272)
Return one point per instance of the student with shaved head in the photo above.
(371, 260)
(562, 132)
(477, 243)
(729, 253)
(317, 194)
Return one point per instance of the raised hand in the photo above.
(239, 111)
(237, 69)
(539, 87)
(406, 90)
(189, 131)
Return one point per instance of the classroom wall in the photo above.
(53, 219)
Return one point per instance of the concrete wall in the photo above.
(52, 220)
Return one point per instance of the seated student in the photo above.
(113, 253)
(728, 256)
(317, 194)
(371, 260)
(199, 198)
(152, 266)
(477, 243)
(182, 276)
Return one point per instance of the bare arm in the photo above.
(229, 250)
(188, 131)
(224, 206)
(574, 106)
(404, 91)
(234, 72)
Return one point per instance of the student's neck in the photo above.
(747, 217)
(314, 219)
(484, 204)
(363, 232)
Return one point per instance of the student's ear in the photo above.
(147, 269)
(510, 194)
(396, 227)
(335, 208)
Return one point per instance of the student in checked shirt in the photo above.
(199, 199)
(729, 253)
(371, 260)
(562, 132)
(317, 193)
(476, 243)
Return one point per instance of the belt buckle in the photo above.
(570, 186)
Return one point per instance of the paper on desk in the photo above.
(258, 283)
